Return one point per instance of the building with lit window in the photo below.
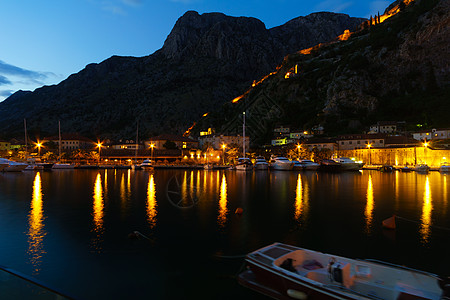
(180, 142)
(216, 142)
(360, 141)
(72, 141)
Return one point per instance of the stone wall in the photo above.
(399, 156)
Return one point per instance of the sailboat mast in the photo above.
(243, 135)
(137, 143)
(26, 140)
(59, 143)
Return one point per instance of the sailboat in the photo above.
(244, 163)
(60, 165)
(135, 166)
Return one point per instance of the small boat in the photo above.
(135, 167)
(422, 168)
(33, 167)
(386, 169)
(287, 272)
(329, 165)
(63, 166)
(147, 164)
(208, 166)
(406, 169)
(297, 165)
(261, 163)
(444, 168)
(281, 163)
(244, 164)
(13, 166)
(309, 165)
(348, 164)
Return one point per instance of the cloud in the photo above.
(333, 5)
(132, 2)
(4, 80)
(13, 78)
(5, 93)
(114, 9)
(7, 69)
(183, 1)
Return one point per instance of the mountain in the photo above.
(206, 61)
(395, 68)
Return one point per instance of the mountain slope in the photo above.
(396, 70)
(206, 60)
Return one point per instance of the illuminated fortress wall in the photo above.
(399, 156)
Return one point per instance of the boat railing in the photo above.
(14, 285)
(400, 267)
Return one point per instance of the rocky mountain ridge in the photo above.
(206, 61)
(395, 70)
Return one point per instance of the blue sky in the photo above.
(43, 42)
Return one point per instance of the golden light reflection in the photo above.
(184, 189)
(97, 212)
(151, 202)
(301, 199)
(427, 208)
(36, 230)
(368, 213)
(223, 210)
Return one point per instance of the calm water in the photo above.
(69, 228)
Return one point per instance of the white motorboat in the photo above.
(147, 164)
(13, 166)
(444, 168)
(422, 168)
(244, 164)
(297, 165)
(261, 163)
(287, 272)
(281, 163)
(208, 166)
(348, 164)
(309, 165)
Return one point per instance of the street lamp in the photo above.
(425, 145)
(39, 145)
(151, 157)
(370, 152)
(99, 145)
(223, 155)
(298, 149)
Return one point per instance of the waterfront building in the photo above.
(72, 141)
(128, 145)
(216, 142)
(4, 145)
(321, 144)
(180, 142)
(389, 127)
(361, 141)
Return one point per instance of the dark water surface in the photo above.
(70, 228)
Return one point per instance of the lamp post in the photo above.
(370, 152)
(223, 154)
(39, 145)
(151, 157)
(99, 145)
(425, 145)
(298, 150)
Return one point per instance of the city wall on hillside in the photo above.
(399, 156)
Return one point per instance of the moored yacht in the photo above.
(261, 163)
(348, 164)
(309, 165)
(281, 163)
(244, 164)
(444, 168)
(422, 168)
(13, 166)
(283, 271)
(147, 164)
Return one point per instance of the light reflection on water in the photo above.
(369, 206)
(151, 202)
(223, 210)
(425, 229)
(36, 232)
(98, 214)
(343, 214)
